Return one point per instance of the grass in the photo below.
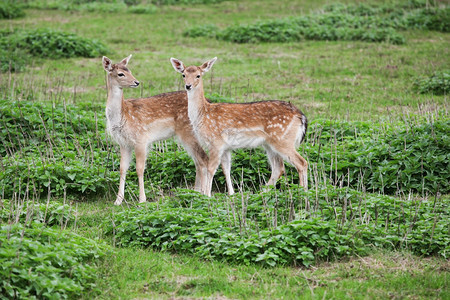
(144, 273)
(332, 80)
(352, 80)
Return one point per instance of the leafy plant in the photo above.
(362, 22)
(51, 213)
(143, 9)
(12, 60)
(207, 30)
(42, 262)
(10, 10)
(55, 44)
(285, 228)
(437, 84)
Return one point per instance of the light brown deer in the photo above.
(277, 126)
(137, 123)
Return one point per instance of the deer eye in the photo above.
(121, 74)
(184, 75)
(198, 76)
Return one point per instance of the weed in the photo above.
(46, 263)
(437, 84)
(10, 10)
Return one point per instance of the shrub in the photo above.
(64, 149)
(55, 44)
(207, 30)
(40, 262)
(12, 60)
(50, 214)
(280, 228)
(10, 10)
(437, 84)
(102, 7)
(17, 46)
(143, 9)
(411, 157)
(430, 19)
(362, 22)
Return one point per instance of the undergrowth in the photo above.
(45, 263)
(437, 84)
(362, 22)
(63, 149)
(16, 46)
(289, 227)
(10, 10)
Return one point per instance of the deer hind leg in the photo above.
(125, 158)
(141, 155)
(226, 168)
(215, 158)
(292, 156)
(277, 165)
(200, 158)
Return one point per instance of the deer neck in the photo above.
(114, 104)
(197, 105)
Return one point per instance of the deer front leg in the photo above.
(125, 158)
(226, 168)
(215, 158)
(141, 155)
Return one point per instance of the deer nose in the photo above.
(188, 86)
(136, 83)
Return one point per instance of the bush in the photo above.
(413, 157)
(48, 43)
(430, 19)
(10, 10)
(17, 46)
(50, 214)
(207, 30)
(280, 228)
(40, 262)
(437, 84)
(143, 9)
(362, 22)
(12, 60)
(64, 149)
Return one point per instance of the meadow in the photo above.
(373, 78)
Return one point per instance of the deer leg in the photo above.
(125, 158)
(200, 158)
(226, 168)
(292, 156)
(215, 157)
(141, 155)
(276, 164)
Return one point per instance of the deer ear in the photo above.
(177, 65)
(208, 65)
(107, 64)
(126, 60)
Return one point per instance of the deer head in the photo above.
(119, 75)
(192, 75)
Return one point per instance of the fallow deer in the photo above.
(137, 123)
(277, 126)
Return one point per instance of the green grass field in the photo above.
(342, 81)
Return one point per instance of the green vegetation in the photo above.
(63, 150)
(46, 263)
(374, 221)
(437, 84)
(10, 10)
(16, 46)
(362, 22)
(283, 228)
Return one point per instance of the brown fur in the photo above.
(137, 123)
(278, 126)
